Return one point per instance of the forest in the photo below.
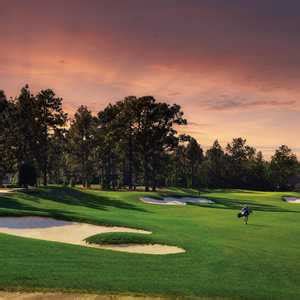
(133, 142)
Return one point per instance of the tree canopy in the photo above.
(132, 142)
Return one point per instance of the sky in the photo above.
(233, 65)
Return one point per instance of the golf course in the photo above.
(223, 258)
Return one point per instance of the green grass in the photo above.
(119, 238)
(224, 258)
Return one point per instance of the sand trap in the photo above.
(145, 249)
(176, 201)
(12, 190)
(74, 233)
(292, 199)
(5, 191)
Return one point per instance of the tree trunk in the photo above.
(130, 159)
(113, 172)
(45, 178)
(146, 175)
(45, 164)
(192, 176)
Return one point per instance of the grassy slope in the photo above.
(119, 238)
(224, 258)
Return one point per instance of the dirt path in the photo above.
(70, 296)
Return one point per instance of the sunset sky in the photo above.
(233, 66)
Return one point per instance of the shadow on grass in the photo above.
(221, 203)
(10, 207)
(23, 204)
(73, 197)
(228, 190)
(10, 203)
(198, 192)
(237, 205)
(225, 203)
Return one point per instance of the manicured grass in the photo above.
(118, 238)
(224, 258)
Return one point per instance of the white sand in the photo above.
(176, 201)
(145, 249)
(292, 199)
(74, 233)
(12, 190)
(5, 191)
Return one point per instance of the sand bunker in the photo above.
(176, 200)
(145, 249)
(12, 190)
(292, 199)
(74, 233)
(5, 191)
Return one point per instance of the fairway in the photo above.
(224, 258)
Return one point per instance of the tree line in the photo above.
(133, 142)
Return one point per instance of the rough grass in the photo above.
(119, 238)
(224, 258)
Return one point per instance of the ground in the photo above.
(225, 259)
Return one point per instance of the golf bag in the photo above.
(244, 213)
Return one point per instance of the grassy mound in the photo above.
(118, 238)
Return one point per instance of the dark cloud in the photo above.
(196, 124)
(258, 39)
